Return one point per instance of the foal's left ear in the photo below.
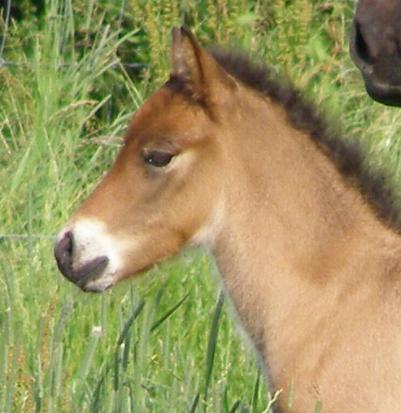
(194, 65)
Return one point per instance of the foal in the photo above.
(224, 156)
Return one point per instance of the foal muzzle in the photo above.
(83, 275)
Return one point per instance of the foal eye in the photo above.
(157, 158)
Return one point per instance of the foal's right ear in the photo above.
(193, 65)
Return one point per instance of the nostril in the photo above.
(361, 46)
(69, 242)
(63, 252)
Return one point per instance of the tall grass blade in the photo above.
(235, 406)
(56, 349)
(85, 366)
(129, 322)
(13, 369)
(194, 404)
(97, 403)
(255, 394)
(212, 342)
(5, 331)
(168, 313)
(4, 337)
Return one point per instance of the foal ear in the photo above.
(192, 65)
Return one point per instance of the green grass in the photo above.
(165, 343)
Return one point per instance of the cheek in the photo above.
(194, 210)
(157, 246)
(209, 227)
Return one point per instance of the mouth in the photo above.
(90, 273)
(97, 286)
(387, 94)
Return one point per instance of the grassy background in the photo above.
(164, 343)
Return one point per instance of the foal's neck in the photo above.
(286, 199)
(296, 238)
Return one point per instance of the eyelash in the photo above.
(158, 158)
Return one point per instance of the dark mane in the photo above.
(347, 154)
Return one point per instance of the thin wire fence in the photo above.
(26, 237)
(126, 65)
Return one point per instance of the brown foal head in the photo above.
(165, 189)
(376, 48)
